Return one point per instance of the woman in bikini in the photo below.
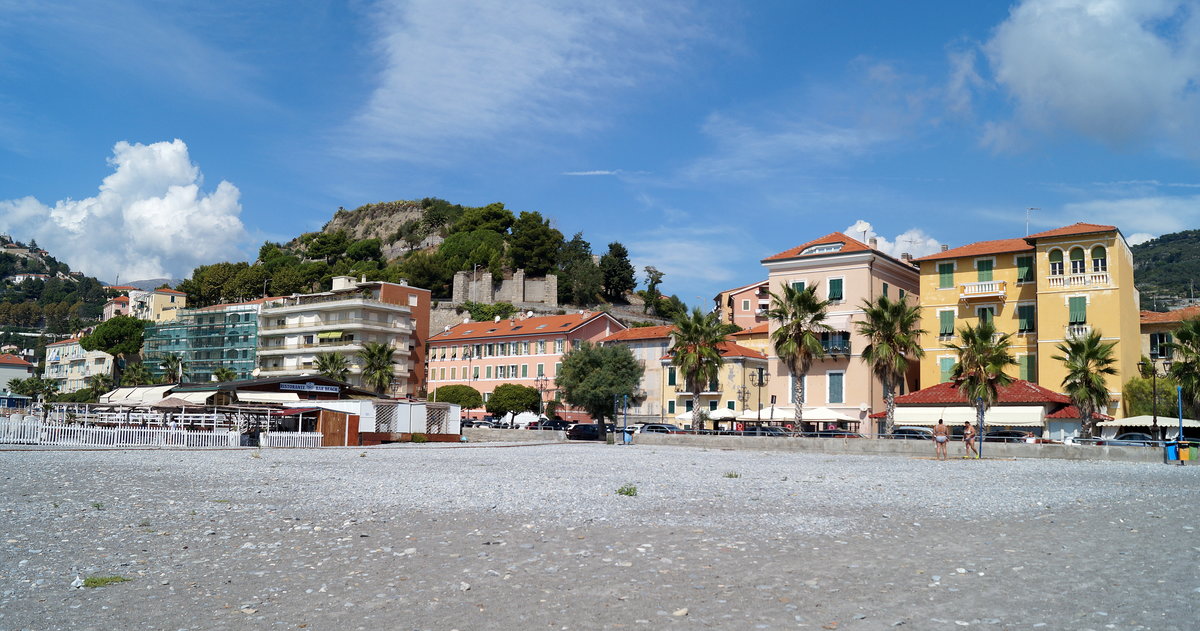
(969, 440)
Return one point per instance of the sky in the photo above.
(142, 139)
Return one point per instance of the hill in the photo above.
(39, 292)
(1165, 269)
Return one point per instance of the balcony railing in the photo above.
(289, 347)
(709, 389)
(836, 347)
(1088, 279)
(336, 323)
(983, 289)
(1076, 331)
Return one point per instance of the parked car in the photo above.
(766, 430)
(556, 424)
(659, 428)
(913, 433)
(471, 423)
(834, 433)
(584, 431)
(1010, 436)
(1129, 439)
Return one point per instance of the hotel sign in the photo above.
(309, 387)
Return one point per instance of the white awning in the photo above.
(1003, 416)
(1148, 421)
(137, 395)
(267, 397)
(199, 398)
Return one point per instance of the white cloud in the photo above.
(149, 220)
(1153, 215)
(963, 83)
(586, 173)
(694, 259)
(913, 241)
(1138, 238)
(457, 73)
(1123, 72)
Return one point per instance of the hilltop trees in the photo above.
(616, 272)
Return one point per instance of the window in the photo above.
(1078, 265)
(946, 368)
(558, 346)
(986, 314)
(798, 285)
(903, 294)
(687, 404)
(671, 376)
(983, 269)
(885, 289)
(443, 374)
(823, 248)
(945, 275)
(945, 323)
(541, 371)
(835, 289)
(475, 375)
(745, 305)
(1026, 320)
(512, 371)
(1160, 345)
(489, 372)
(524, 371)
(1024, 269)
(836, 389)
(670, 407)
(731, 405)
(453, 373)
(1077, 310)
(501, 372)
(1056, 263)
(557, 368)
(541, 347)
(1027, 367)
(1099, 259)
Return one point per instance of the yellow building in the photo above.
(733, 390)
(159, 305)
(1043, 289)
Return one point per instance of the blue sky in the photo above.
(145, 138)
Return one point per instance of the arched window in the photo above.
(1056, 263)
(1099, 259)
(1077, 263)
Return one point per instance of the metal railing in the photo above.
(402, 324)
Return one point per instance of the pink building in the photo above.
(744, 306)
(115, 307)
(847, 273)
(524, 351)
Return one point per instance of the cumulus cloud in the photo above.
(1138, 238)
(1122, 72)
(457, 73)
(913, 241)
(150, 219)
(1151, 215)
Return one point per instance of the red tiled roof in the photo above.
(745, 287)
(850, 245)
(1070, 411)
(1178, 315)
(729, 349)
(641, 333)
(544, 325)
(72, 340)
(758, 329)
(120, 299)
(170, 291)
(948, 393)
(1075, 228)
(980, 248)
(13, 360)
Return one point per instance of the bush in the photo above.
(419, 438)
(628, 490)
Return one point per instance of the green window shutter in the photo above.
(945, 275)
(946, 323)
(488, 372)
(731, 405)
(1025, 314)
(984, 268)
(836, 392)
(524, 370)
(671, 376)
(987, 314)
(885, 290)
(835, 289)
(1077, 308)
(712, 405)
(670, 407)
(1024, 268)
(902, 294)
(946, 364)
(1028, 365)
(687, 404)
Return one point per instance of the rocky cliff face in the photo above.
(375, 221)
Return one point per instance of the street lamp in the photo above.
(759, 379)
(1153, 370)
(541, 382)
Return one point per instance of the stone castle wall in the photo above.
(518, 290)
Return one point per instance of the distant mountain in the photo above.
(153, 283)
(1166, 269)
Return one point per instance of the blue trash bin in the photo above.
(627, 435)
(1172, 451)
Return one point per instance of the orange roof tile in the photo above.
(641, 333)
(169, 291)
(948, 393)
(745, 287)
(13, 360)
(544, 325)
(758, 329)
(850, 245)
(980, 248)
(729, 349)
(120, 299)
(1075, 228)
(1170, 317)
(72, 340)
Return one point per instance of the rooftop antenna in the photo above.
(1028, 212)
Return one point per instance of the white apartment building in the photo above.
(294, 330)
(70, 366)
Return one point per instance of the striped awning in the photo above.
(329, 335)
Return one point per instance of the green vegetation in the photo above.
(465, 396)
(983, 354)
(1088, 361)
(797, 341)
(1186, 367)
(514, 398)
(98, 505)
(627, 490)
(377, 368)
(594, 377)
(103, 581)
(481, 312)
(418, 438)
(1164, 268)
(893, 333)
(333, 365)
(694, 351)
(732, 474)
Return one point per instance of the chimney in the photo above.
(905, 256)
(874, 243)
(945, 247)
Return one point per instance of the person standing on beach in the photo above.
(941, 436)
(969, 440)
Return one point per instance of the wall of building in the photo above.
(480, 286)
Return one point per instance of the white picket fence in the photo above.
(30, 430)
(290, 439)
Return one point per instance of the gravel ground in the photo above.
(536, 537)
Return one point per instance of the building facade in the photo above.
(13, 367)
(1158, 330)
(208, 338)
(648, 345)
(159, 305)
(526, 351)
(745, 306)
(118, 305)
(70, 366)
(847, 273)
(1043, 289)
(735, 389)
(293, 331)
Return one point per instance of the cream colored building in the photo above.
(648, 344)
(70, 366)
(734, 388)
(159, 305)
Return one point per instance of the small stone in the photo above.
(77, 583)
(249, 610)
(961, 570)
(462, 587)
(680, 612)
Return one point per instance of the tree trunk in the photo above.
(697, 421)
(798, 394)
(979, 413)
(889, 403)
(1087, 423)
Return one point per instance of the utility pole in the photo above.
(1028, 212)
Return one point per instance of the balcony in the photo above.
(836, 347)
(1076, 331)
(1088, 279)
(983, 289)
(345, 323)
(711, 389)
(330, 346)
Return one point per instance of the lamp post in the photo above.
(759, 379)
(1152, 368)
(541, 382)
(468, 356)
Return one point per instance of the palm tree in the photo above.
(100, 383)
(797, 341)
(377, 366)
(982, 357)
(1185, 367)
(224, 373)
(136, 375)
(16, 385)
(694, 351)
(333, 365)
(891, 328)
(1087, 360)
(174, 369)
